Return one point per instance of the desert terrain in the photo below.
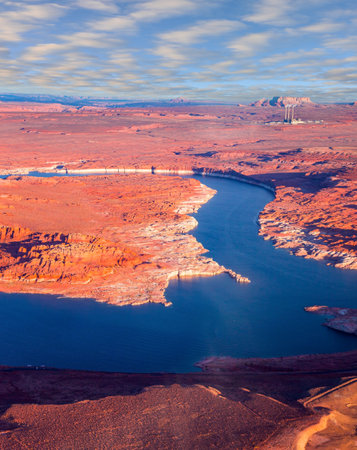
(258, 404)
(120, 239)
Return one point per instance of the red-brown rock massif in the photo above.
(118, 239)
(283, 101)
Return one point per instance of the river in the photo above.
(209, 316)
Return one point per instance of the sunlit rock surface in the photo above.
(119, 239)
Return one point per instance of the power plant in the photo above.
(289, 117)
(289, 114)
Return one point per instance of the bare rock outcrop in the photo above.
(73, 258)
(120, 240)
(340, 319)
(304, 224)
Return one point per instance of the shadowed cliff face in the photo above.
(74, 258)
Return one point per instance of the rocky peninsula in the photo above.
(118, 240)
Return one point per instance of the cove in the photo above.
(209, 316)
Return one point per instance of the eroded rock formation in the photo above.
(304, 223)
(118, 239)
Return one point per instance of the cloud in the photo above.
(273, 12)
(200, 30)
(41, 51)
(161, 9)
(11, 31)
(71, 42)
(172, 55)
(323, 27)
(88, 39)
(70, 63)
(340, 13)
(297, 54)
(250, 43)
(15, 22)
(37, 12)
(221, 66)
(342, 43)
(118, 23)
(123, 59)
(341, 74)
(98, 5)
(150, 10)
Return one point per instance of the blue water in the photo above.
(209, 316)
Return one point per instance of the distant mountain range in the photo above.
(79, 102)
(87, 101)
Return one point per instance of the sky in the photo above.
(210, 50)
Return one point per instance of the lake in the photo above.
(209, 316)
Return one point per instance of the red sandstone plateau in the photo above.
(311, 166)
(116, 239)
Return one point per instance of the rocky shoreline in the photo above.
(59, 257)
(297, 364)
(339, 319)
(299, 239)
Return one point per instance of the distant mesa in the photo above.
(283, 101)
(261, 102)
(179, 100)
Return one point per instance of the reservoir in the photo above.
(209, 316)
